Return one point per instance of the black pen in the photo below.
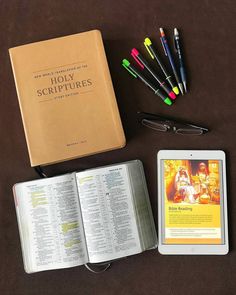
(171, 60)
(180, 56)
(136, 74)
(153, 53)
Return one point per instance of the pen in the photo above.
(168, 54)
(180, 56)
(151, 50)
(136, 74)
(143, 63)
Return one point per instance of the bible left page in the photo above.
(50, 223)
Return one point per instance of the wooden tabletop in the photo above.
(208, 31)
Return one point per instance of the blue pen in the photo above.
(171, 60)
(180, 56)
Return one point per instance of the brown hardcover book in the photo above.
(66, 98)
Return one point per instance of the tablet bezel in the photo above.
(184, 249)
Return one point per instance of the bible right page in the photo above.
(108, 213)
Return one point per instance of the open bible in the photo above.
(94, 216)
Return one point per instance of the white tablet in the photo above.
(192, 202)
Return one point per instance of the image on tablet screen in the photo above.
(192, 202)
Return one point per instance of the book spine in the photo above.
(107, 76)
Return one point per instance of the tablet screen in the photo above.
(192, 200)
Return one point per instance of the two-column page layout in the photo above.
(92, 216)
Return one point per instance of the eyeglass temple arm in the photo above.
(176, 122)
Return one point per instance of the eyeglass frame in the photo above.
(170, 124)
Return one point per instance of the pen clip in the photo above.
(163, 46)
(147, 42)
(125, 64)
(134, 53)
(175, 44)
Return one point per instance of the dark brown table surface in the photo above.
(208, 29)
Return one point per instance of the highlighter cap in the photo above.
(176, 90)
(125, 62)
(147, 42)
(172, 95)
(168, 101)
(135, 53)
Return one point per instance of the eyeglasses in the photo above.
(163, 124)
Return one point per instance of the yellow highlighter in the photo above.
(151, 50)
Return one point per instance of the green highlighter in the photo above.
(136, 74)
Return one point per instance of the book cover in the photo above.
(66, 98)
